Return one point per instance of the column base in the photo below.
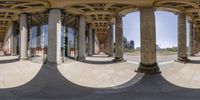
(182, 60)
(119, 59)
(90, 55)
(52, 65)
(191, 54)
(110, 55)
(81, 58)
(24, 58)
(149, 69)
(13, 54)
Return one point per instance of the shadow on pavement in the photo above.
(98, 62)
(8, 60)
(194, 61)
(49, 84)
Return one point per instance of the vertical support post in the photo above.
(192, 38)
(54, 37)
(81, 39)
(148, 62)
(111, 45)
(182, 43)
(24, 37)
(90, 52)
(119, 39)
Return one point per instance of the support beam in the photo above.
(118, 39)
(81, 39)
(148, 62)
(24, 37)
(182, 43)
(54, 37)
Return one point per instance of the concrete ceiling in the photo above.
(97, 12)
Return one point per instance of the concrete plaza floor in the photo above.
(98, 78)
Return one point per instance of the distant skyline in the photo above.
(166, 28)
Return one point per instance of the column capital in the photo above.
(54, 9)
(111, 23)
(147, 7)
(179, 13)
(119, 15)
(191, 21)
(24, 13)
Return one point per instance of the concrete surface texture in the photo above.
(176, 82)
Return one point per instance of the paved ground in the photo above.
(98, 72)
(15, 73)
(177, 81)
(160, 59)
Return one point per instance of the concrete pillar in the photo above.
(14, 39)
(38, 41)
(81, 39)
(90, 45)
(110, 43)
(24, 37)
(192, 38)
(54, 37)
(107, 44)
(93, 41)
(182, 43)
(148, 62)
(195, 41)
(118, 38)
(38, 36)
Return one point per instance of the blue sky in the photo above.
(166, 28)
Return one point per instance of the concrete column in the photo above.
(195, 41)
(14, 39)
(90, 45)
(38, 36)
(93, 41)
(148, 62)
(111, 46)
(106, 44)
(38, 41)
(118, 38)
(81, 39)
(192, 38)
(182, 43)
(24, 37)
(54, 37)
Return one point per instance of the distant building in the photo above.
(158, 48)
(127, 44)
(132, 44)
